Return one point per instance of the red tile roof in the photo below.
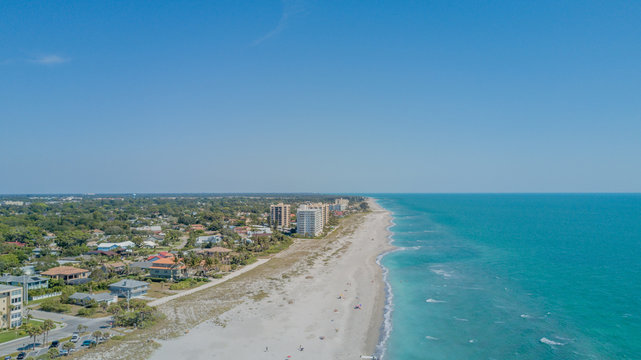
(16, 243)
(64, 270)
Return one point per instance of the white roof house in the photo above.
(106, 246)
(149, 244)
(208, 239)
(149, 228)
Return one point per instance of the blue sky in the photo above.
(322, 96)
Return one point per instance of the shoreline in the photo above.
(379, 333)
(317, 309)
(388, 308)
(327, 295)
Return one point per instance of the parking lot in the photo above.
(71, 325)
(38, 352)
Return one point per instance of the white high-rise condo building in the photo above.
(339, 205)
(309, 221)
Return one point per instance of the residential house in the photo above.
(149, 244)
(210, 239)
(28, 270)
(257, 229)
(138, 267)
(241, 230)
(10, 306)
(108, 253)
(152, 228)
(107, 246)
(70, 260)
(167, 268)
(115, 267)
(32, 282)
(67, 273)
(217, 251)
(16, 243)
(160, 255)
(196, 227)
(128, 288)
(97, 232)
(85, 299)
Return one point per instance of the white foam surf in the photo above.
(434, 301)
(386, 327)
(550, 342)
(442, 272)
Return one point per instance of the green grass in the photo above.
(33, 302)
(186, 284)
(13, 334)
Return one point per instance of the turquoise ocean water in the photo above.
(514, 277)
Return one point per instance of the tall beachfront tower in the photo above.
(339, 205)
(309, 221)
(324, 208)
(279, 215)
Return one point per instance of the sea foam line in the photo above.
(386, 327)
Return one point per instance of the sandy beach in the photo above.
(314, 308)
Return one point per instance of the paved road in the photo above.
(71, 322)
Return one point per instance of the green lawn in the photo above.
(34, 302)
(13, 334)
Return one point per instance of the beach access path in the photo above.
(212, 282)
(328, 307)
(307, 295)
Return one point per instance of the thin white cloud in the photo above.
(49, 60)
(290, 9)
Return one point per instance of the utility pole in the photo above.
(25, 289)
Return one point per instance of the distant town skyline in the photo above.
(323, 97)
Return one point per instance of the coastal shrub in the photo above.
(188, 284)
(138, 314)
(54, 305)
(88, 311)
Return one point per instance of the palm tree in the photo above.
(191, 261)
(68, 346)
(34, 331)
(53, 353)
(208, 263)
(176, 262)
(81, 328)
(47, 326)
(97, 334)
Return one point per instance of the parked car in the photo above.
(8, 357)
(22, 355)
(29, 346)
(88, 342)
(75, 337)
(54, 344)
(63, 352)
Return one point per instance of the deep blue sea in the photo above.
(514, 276)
